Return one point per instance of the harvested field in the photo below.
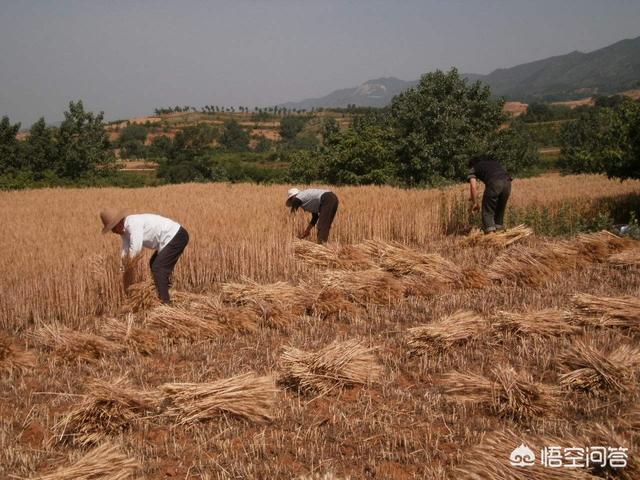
(397, 351)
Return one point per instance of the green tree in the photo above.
(602, 140)
(439, 124)
(291, 126)
(41, 149)
(133, 132)
(234, 138)
(10, 151)
(514, 148)
(330, 130)
(83, 144)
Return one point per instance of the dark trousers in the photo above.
(163, 263)
(328, 208)
(494, 204)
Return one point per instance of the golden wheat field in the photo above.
(398, 351)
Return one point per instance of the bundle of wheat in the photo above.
(338, 365)
(628, 259)
(507, 393)
(596, 247)
(295, 299)
(132, 271)
(141, 296)
(72, 344)
(334, 304)
(593, 370)
(366, 286)
(108, 408)
(489, 460)
(247, 396)
(104, 462)
(346, 257)
(607, 311)
(376, 249)
(500, 239)
(236, 318)
(525, 266)
(549, 322)
(179, 322)
(446, 332)
(13, 357)
(127, 333)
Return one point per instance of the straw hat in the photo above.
(110, 218)
(290, 194)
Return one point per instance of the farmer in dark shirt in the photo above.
(322, 204)
(497, 184)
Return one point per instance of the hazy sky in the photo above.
(128, 57)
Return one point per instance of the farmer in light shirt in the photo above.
(321, 204)
(161, 234)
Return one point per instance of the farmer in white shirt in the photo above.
(322, 204)
(161, 234)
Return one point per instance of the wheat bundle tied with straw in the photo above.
(500, 239)
(13, 357)
(591, 369)
(108, 408)
(489, 460)
(331, 303)
(526, 266)
(236, 318)
(507, 392)
(607, 311)
(246, 396)
(105, 462)
(549, 322)
(373, 286)
(179, 322)
(141, 296)
(628, 259)
(337, 365)
(346, 257)
(596, 247)
(73, 344)
(127, 333)
(446, 332)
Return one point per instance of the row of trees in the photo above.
(79, 147)
(425, 137)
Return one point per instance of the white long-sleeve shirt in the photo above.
(147, 230)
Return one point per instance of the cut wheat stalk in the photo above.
(499, 239)
(628, 259)
(140, 297)
(549, 322)
(72, 344)
(345, 257)
(373, 286)
(597, 247)
(13, 357)
(132, 271)
(489, 460)
(526, 266)
(236, 318)
(446, 332)
(607, 311)
(127, 333)
(105, 462)
(590, 369)
(290, 296)
(108, 408)
(507, 393)
(335, 366)
(246, 396)
(180, 322)
(331, 303)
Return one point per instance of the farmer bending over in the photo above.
(322, 204)
(161, 234)
(497, 189)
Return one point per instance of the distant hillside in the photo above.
(565, 77)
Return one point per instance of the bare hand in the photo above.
(475, 207)
(304, 234)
